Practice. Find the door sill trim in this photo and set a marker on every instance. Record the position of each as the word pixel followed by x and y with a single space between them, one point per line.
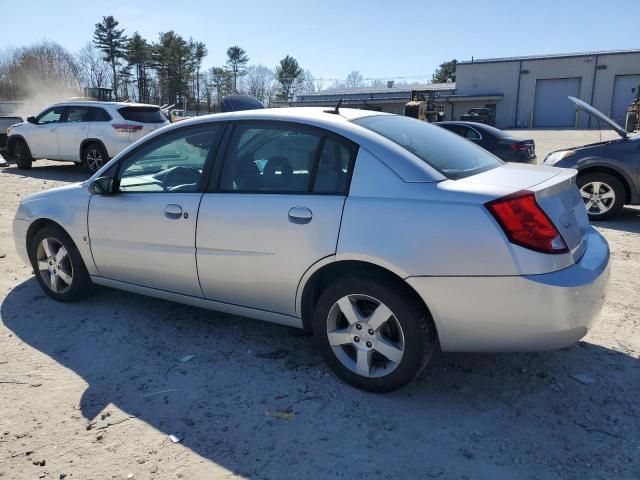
pixel 230 308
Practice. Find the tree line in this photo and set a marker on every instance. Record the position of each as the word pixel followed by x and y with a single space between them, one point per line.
pixel 167 71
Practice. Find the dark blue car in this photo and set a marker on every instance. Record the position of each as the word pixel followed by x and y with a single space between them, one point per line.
pixel 501 144
pixel 608 172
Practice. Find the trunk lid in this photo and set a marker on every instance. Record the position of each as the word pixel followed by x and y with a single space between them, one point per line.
pixel 556 193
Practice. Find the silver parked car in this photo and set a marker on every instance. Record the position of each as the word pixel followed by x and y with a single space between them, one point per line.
pixel 386 237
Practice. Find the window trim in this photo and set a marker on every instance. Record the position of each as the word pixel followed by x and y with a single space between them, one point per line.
pixel 211 159
pixel 224 151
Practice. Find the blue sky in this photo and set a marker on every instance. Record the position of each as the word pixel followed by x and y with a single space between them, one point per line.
pixel 382 39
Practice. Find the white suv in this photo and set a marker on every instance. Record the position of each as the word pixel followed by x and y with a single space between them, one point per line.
pixel 82 132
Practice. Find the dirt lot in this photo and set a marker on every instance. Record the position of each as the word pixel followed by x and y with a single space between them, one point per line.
pixel 93 390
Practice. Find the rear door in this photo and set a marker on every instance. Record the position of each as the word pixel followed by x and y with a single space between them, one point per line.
pixel 144 233
pixel 276 212
pixel 72 132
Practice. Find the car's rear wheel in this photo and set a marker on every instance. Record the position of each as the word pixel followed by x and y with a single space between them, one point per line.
pixel 58 265
pixel 22 156
pixel 602 193
pixel 372 334
pixel 94 156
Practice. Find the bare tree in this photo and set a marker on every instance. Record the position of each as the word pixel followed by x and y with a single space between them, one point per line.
pixel 259 82
pixel 354 80
pixel 95 72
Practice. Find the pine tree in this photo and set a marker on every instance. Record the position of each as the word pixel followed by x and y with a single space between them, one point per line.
pixel 287 74
pixel 112 42
pixel 237 60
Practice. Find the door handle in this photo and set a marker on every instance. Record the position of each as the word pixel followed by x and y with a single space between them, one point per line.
pixel 300 215
pixel 52 129
pixel 173 211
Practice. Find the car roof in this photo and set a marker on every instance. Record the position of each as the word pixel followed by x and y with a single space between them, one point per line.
pixel 300 113
pixel 97 103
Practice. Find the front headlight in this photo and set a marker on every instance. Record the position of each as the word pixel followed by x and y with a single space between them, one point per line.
pixel 555 157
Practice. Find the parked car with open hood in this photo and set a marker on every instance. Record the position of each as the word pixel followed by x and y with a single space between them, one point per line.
pixel 502 144
pixel 387 237
pixel 608 172
pixel 86 132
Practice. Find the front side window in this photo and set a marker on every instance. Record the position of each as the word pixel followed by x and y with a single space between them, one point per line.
pixel 77 114
pixel 444 152
pixel 53 115
pixel 172 163
pixel 270 158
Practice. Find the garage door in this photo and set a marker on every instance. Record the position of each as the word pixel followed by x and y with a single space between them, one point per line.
pixel 552 107
pixel 622 96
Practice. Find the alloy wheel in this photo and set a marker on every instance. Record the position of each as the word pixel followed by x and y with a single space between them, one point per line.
pixel 598 197
pixel 365 335
pixel 54 265
pixel 94 159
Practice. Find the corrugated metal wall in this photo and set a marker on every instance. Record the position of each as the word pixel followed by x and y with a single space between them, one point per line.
pixel 503 77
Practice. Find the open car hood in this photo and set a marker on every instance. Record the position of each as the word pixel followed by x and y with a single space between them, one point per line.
pixel 585 107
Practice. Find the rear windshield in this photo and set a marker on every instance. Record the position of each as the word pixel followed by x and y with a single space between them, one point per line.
pixel 142 114
pixel 445 151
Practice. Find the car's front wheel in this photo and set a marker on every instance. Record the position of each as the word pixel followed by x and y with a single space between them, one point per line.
pixel 58 265
pixel 602 193
pixel 94 157
pixel 372 334
pixel 22 156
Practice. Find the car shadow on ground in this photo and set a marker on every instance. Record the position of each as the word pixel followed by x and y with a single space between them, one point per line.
pixel 450 423
pixel 627 220
pixel 65 172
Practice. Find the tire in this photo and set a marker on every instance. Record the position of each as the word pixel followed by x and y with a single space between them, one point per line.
pixel 603 194
pixel 407 329
pixel 94 156
pixel 75 283
pixel 22 156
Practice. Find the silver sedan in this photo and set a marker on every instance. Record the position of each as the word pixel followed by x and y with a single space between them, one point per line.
pixel 386 237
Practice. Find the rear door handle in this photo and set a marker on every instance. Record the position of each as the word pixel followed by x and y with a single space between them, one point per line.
pixel 300 215
pixel 173 211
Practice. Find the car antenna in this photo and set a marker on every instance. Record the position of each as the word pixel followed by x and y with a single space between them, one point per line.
pixel 336 110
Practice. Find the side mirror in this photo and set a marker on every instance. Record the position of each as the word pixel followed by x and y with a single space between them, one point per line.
pixel 102 186
pixel 31 120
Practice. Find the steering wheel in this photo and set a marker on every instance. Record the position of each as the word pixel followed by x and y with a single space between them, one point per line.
pixel 178 177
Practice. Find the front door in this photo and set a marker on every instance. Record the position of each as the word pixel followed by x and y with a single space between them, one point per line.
pixel 43 136
pixel 72 132
pixel 144 232
pixel 275 213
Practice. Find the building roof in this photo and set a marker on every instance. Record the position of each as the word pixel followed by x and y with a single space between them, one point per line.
pixel 548 56
pixel 401 92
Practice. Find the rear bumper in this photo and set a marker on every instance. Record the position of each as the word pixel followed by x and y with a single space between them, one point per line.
pixel 519 313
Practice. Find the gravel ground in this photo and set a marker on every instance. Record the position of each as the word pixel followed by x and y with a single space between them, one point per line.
pixel 93 390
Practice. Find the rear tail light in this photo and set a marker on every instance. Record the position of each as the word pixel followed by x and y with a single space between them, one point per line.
pixel 125 128
pixel 519 147
pixel 526 224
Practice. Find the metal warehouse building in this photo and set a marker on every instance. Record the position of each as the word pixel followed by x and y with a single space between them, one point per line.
pixel 532 91
pixel 391 99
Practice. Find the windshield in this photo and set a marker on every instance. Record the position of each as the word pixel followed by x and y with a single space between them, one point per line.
pixel 449 154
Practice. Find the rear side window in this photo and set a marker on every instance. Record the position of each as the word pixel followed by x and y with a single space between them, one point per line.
pixel 142 114
pixel 336 161
pixel 270 158
pixel 98 115
pixel 442 150
pixel 77 114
